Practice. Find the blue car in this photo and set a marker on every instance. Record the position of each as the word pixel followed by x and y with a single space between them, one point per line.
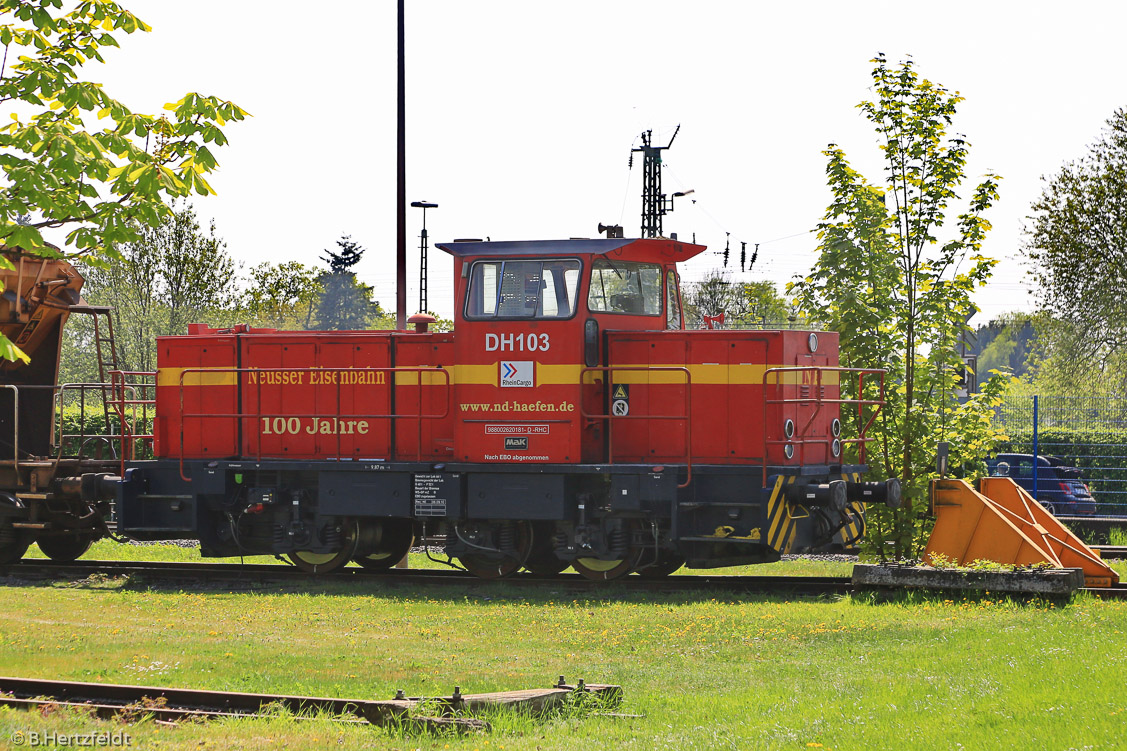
pixel 1059 488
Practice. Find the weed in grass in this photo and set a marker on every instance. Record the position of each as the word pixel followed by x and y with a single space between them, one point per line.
pixel 939 560
pixel 142 709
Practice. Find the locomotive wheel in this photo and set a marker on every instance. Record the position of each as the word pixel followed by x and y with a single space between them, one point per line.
pixel 542 560
pixel 667 563
pixel 324 563
pixel 383 544
pixel 64 548
pixel 606 570
pixel 489 565
pixel 600 570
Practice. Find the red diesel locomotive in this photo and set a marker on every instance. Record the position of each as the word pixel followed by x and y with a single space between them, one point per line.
pixel 569 420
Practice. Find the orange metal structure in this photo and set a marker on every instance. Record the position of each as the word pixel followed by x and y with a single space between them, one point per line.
pixel 1001 522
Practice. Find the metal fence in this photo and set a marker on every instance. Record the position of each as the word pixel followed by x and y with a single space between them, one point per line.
pixel 1089 433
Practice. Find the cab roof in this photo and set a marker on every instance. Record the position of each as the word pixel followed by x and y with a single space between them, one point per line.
pixel 653 250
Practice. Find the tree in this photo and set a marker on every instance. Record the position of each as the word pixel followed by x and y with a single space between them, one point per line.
pixel 898 296
pixel 755 303
pixel 1077 243
pixel 283 295
pixel 763 305
pixel 172 275
pixel 345 302
pixel 1006 343
pixel 102 184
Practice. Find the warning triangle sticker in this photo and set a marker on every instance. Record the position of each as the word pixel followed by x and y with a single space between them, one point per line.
pixel 620 392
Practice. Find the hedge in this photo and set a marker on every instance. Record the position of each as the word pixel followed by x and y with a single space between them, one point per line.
pixel 74 422
pixel 1100 453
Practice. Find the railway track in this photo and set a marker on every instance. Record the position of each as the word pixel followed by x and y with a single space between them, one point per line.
pixel 171 704
pixel 275 573
pixel 248 575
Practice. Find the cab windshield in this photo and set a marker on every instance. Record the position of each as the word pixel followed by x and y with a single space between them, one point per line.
pixel 523 289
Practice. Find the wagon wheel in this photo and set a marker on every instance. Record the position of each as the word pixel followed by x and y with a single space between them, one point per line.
pixel 542 560
pixel 495 565
pixel 13 544
pixel 667 563
pixel 383 544
pixel 324 563
pixel 66 548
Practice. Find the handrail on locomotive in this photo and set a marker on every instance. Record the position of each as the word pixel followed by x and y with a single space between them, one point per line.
pixel 686 415
pixel 819 401
pixel 339 414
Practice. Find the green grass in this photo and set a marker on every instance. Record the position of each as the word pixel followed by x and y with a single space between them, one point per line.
pixel 744 672
pixel 108 550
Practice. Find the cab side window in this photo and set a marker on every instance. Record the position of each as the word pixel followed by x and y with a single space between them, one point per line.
pixel 672 302
pixel 625 287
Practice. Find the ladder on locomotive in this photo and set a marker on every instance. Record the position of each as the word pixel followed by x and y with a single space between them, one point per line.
pixel 105 351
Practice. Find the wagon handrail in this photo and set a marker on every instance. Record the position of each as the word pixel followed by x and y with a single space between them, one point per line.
pixel 59 438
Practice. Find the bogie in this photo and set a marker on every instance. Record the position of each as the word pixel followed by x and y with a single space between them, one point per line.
pixel 491 549
pixel 383 543
pixel 344 537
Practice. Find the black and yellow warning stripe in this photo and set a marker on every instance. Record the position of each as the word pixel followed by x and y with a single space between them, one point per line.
pixel 781 522
pixel 856 527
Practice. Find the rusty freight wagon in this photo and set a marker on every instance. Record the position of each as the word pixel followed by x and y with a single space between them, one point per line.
pixel 569 420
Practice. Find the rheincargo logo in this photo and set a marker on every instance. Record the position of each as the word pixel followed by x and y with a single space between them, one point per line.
pixel 518 373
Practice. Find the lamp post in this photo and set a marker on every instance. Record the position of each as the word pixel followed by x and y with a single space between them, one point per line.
pixel 423 244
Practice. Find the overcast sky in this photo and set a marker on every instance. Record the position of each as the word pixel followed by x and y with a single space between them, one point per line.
pixel 521 115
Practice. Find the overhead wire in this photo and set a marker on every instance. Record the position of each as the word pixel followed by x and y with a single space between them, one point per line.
pixel 727 233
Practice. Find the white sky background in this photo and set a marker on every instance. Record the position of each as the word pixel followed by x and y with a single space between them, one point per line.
pixel 521 116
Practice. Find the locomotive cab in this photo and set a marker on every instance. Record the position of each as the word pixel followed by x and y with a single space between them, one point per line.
pixel 531 318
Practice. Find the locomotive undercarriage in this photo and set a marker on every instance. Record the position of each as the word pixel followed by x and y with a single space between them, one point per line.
pixel 605 522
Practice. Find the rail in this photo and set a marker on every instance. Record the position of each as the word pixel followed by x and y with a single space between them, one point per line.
pixel 818 400
pixel 259 415
pixel 610 369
